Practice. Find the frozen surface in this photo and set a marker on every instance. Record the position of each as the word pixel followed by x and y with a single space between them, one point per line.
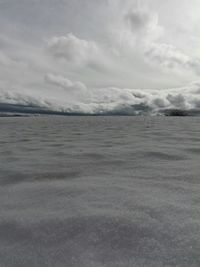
pixel 99 192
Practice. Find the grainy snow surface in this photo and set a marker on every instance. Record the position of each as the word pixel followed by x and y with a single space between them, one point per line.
pixel 100 192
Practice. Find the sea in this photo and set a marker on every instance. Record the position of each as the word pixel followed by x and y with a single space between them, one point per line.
pixel 99 191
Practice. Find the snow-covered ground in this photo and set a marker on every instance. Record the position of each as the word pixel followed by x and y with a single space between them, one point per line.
pixel 99 192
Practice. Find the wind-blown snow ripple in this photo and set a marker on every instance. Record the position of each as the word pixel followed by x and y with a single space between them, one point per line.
pixel 99 191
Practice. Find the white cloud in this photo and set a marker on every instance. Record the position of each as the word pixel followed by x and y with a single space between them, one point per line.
pixel 64 83
pixel 143 24
pixel 76 97
pixel 117 45
pixel 72 48
pixel 170 57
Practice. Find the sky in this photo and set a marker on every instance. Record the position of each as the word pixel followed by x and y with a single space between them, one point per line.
pixel 100 55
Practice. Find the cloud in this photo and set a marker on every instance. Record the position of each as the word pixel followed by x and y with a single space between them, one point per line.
pixel 93 52
pixel 170 57
pixel 143 24
pixel 5 61
pixel 72 48
pixel 78 98
pixel 73 91
pixel 80 55
pixel 64 83
pixel 14 97
pixel 139 32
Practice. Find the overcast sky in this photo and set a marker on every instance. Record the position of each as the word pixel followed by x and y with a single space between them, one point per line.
pixel 89 52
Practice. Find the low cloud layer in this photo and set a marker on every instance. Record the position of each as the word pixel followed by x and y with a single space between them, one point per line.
pixel 77 98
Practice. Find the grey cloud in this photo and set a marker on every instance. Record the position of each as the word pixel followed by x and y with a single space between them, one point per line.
pixel 72 48
pixel 194 64
pixel 177 100
pixel 14 97
pixel 110 98
pixel 77 98
pixel 64 83
pixel 170 57
pixel 111 44
pixel 80 55
pixel 141 21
